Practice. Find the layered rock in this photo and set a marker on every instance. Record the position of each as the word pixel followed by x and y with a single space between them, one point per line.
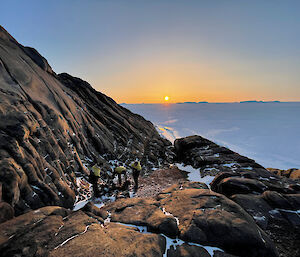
pixel 55 231
pixel 273 201
pixel 139 226
pixel 192 212
pixel 52 126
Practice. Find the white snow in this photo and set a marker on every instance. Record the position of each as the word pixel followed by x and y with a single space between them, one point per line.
pixel 170 214
pixel 58 230
pixel 290 211
pixel 265 132
pixel 264 241
pixel 230 165
pixel 172 242
pixel 72 237
pixel 108 219
pixel 259 218
pixel 80 204
pixel 194 174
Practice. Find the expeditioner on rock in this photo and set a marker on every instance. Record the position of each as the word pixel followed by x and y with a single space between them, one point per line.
pixel 136 169
pixel 94 177
pixel 119 171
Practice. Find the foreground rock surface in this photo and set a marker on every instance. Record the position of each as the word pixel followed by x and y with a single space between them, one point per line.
pixel 188 211
pixel 195 214
pixel 54 231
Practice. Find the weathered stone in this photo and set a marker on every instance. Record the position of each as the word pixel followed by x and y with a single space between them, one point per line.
pixel 50 231
pixel 235 185
pixel 202 216
pixel 186 250
pixel 52 126
pixel 256 206
pixel 6 212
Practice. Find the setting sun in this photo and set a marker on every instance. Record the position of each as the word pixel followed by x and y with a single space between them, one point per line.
pixel 167 98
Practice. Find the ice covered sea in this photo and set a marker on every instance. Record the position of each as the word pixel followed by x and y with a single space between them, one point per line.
pixel 269 133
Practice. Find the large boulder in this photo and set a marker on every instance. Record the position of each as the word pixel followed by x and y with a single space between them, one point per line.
pixel 201 152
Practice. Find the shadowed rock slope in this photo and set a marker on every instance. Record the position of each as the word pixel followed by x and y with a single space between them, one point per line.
pixel 273 201
pixel 52 125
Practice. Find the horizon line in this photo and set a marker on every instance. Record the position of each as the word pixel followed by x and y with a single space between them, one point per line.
pixel 204 102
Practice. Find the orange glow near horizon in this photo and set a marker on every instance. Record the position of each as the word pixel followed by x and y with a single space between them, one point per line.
pixel 152 80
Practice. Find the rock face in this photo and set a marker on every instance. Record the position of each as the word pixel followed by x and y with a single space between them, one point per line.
pixel 271 200
pixel 52 125
pixel 55 231
pixel 195 214
pixel 137 227
pixel 290 173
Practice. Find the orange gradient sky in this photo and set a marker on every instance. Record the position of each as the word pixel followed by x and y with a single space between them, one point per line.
pixel 141 51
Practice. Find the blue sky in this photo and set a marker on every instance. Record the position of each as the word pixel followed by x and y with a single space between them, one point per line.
pixel 140 51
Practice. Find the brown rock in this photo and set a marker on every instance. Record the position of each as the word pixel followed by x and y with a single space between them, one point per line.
pixel 204 217
pixel 49 232
pixel 6 212
pixel 186 250
pixel 53 125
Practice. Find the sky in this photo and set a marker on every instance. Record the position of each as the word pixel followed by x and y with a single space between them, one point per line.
pixel 141 51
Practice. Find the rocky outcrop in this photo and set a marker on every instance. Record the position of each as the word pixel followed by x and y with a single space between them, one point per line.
pixel 192 212
pixel 52 126
pixel 290 173
pixel 55 231
pixel 201 152
pixel 270 197
pixel 139 226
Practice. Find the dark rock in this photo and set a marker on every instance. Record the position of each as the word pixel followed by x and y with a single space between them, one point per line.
pixel 186 250
pixel 6 212
pixel 215 183
pixel 285 237
pixel 235 185
pixel 200 152
pixel 256 206
pixel 277 200
pixel 223 254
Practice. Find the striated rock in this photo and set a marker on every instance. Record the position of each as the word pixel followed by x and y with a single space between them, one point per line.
pixel 200 152
pixel 6 212
pixel 53 231
pixel 53 126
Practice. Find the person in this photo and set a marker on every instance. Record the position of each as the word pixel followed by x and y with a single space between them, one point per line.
pixel 94 177
pixel 119 171
pixel 136 169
